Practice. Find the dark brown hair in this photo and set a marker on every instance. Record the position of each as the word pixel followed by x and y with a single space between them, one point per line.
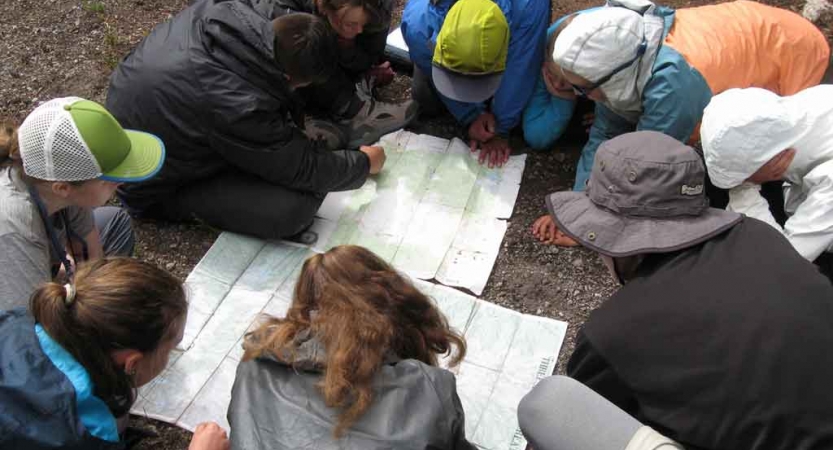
pixel 378 11
pixel 305 47
pixel 364 311
pixel 120 303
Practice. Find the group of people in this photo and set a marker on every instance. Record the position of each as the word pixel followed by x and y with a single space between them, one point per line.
pixel 252 110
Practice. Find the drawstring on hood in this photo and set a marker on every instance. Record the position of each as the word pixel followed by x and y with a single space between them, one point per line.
pixel 595 43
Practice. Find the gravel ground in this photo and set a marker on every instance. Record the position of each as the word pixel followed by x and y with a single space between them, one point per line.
pixel 51 48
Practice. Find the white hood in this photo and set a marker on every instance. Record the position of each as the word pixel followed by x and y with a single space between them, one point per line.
pixel 742 129
pixel 595 43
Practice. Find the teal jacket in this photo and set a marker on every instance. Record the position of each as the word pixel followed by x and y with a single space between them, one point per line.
pixel 673 102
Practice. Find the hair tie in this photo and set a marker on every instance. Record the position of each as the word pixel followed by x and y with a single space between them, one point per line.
pixel 69 290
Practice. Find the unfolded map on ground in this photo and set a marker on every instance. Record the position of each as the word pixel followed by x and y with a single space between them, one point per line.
pixel 434 213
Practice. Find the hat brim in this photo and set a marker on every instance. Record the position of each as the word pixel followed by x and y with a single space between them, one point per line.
pixel 147 153
pixel 465 88
pixel 618 235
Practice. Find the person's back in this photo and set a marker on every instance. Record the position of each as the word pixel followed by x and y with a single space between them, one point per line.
pixel 414 406
pixel 725 345
pixel 747 132
pixel 216 84
pixel 354 365
pixel 174 81
pixel 748 44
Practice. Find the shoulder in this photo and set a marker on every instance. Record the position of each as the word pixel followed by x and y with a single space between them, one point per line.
pixel 38 399
pixel 18 213
pixel 410 372
pixel 671 74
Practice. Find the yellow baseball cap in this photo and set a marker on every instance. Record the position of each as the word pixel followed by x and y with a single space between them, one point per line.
pixel 470 55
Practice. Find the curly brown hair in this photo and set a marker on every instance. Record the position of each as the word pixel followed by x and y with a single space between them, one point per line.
pixel 361 310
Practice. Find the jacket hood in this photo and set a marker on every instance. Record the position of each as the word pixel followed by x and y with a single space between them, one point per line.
pixel 598 42
pixel 307 354
pixel 742 129
pixel 243 41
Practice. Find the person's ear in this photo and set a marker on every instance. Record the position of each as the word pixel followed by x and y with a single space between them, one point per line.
pixel 128 360
pixel 61 188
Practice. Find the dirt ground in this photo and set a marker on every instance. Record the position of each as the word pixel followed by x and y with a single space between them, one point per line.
pixel 52 48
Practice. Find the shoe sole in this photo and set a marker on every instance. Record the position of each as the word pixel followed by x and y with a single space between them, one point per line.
pixel 373 134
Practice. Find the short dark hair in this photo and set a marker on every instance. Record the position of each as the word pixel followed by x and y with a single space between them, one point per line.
pixel 305 47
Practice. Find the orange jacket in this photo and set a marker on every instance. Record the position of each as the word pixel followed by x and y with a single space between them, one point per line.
pixel 747 44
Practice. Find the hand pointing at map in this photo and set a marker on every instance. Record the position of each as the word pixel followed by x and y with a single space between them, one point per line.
pixel 376 155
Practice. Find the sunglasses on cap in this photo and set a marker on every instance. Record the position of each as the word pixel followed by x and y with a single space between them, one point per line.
pixel 584 91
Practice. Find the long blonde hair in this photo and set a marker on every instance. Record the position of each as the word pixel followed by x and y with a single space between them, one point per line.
pixel 361 310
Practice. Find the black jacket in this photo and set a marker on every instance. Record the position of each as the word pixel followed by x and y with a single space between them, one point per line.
pixel 722 346
pixel 277 406
pixel 207 84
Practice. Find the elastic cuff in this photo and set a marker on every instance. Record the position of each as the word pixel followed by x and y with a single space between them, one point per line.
pixel 646 438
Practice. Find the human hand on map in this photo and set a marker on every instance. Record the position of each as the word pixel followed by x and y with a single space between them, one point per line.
pixel 545 230
pixel 496 152
pixel 209 436
pixel 376 155
pixel 483 128
pixel 774 169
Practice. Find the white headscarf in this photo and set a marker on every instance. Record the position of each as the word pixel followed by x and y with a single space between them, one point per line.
pixel 742 129
pixel 595 43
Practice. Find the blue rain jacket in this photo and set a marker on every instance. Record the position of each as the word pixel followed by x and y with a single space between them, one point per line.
pixel 46 396
pixel 422 20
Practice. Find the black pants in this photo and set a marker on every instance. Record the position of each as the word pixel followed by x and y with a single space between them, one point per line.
pixel 335 99
pixel 242 203
pixel 423 91
pixel 828 76
pixel 114 230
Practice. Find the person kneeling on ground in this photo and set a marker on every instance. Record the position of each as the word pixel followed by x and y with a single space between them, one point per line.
pixel 352 366
pixel 362 30
pixel 720 336
pixel 56 171
pixel 548 414
pixel 216 84
pixel 649 67
pixel 752 136
pixel 477 59
pixel 70 370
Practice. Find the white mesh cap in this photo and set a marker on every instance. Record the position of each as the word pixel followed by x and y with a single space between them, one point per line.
pixel 51 146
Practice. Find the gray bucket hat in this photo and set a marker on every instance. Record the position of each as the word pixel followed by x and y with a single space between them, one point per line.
pixel 645 195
